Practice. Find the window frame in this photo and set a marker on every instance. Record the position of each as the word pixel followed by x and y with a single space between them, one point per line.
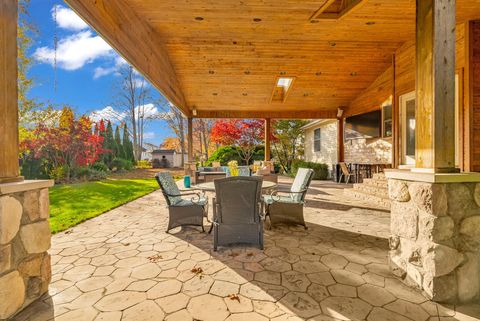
pixel 317 140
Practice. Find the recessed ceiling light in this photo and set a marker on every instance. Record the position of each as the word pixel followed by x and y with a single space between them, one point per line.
pixel 283 73
pixel 257 19
pixel 314 21
pixel 306 94
pixel 211 72
pixel 244 94
pixel 370 23
pixel 215 94
pixel 353 73
pixel 199 18
pixel 318 73
pixel 247 72
pixel 234 42
pixel 332 43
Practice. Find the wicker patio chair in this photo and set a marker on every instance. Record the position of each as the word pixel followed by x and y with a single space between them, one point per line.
pixel 182 211
pixel 288 209
pixel 238 211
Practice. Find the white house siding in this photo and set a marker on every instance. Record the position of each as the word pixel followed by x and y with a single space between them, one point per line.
pixel 328 144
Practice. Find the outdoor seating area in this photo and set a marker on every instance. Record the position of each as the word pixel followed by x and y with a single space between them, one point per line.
pixel 124 266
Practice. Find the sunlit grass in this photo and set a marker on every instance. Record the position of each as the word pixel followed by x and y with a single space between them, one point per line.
pixel 74 203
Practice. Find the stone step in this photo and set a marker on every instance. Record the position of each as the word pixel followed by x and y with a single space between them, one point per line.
pixel 379 176
pixel 375 182
pixel 375 200
pixel 372 190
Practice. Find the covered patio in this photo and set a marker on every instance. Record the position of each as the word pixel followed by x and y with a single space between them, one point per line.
pixel 268 60
pixel 123 266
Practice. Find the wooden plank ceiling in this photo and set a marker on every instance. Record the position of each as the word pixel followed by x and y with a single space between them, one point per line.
pixel 223 57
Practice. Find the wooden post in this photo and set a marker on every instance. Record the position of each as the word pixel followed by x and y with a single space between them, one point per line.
pixel 267 139
pixel 190 139
pixel 340 140
pixel 9 169
pixel 435 82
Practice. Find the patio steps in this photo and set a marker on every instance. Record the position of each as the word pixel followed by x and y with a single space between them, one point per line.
pixel 373 190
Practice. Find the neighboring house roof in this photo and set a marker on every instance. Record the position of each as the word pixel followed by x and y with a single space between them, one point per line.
pixel 317 123
pixel 163 151
pixel 149 147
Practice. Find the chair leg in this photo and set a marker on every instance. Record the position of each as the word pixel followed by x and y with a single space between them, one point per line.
pixel 215 239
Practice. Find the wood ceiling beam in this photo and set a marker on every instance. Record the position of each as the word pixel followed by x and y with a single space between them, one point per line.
pixel 135 41
pixel 249 114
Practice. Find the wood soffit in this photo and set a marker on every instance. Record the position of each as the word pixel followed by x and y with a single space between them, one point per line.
pixel 223 57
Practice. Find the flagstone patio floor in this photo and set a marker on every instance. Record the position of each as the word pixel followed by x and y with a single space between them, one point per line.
pixel 122 265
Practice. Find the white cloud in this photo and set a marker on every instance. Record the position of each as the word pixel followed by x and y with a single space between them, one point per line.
pixel 101 71
pixel 75 51
pixel 150 111
pixel 107 113
pixel 148 135
pixel 68 19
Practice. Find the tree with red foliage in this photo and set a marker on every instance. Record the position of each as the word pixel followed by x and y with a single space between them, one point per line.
pixel 71 143
pixel 243 133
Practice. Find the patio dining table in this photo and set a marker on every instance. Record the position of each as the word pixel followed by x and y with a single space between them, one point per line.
pixel 210 186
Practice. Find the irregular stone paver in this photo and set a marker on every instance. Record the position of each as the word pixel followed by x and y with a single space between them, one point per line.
pixel 122 266
pixel 207 307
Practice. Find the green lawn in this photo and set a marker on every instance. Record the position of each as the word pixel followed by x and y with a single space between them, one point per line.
pixel 74 203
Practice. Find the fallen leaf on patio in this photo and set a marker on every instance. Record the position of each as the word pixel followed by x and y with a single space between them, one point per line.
pixel 234 297
pixel 69 232
pixel 198 271
pixel 154 258
pixel 126 244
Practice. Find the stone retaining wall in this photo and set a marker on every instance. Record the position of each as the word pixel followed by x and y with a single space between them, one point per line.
pixel 435 241
pixel 25 271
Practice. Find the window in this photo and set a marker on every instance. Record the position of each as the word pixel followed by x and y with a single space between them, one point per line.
pixel 387 127
pixel 282 88
pixel 316 140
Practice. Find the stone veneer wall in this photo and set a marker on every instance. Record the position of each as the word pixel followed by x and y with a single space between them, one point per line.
pixel 25 271
pixel 435 241
pixel 371 150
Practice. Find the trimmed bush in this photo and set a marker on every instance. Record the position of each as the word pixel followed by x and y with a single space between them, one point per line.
pixel 143 164
pixel 120 163
pixel 320 171
pixel 100 166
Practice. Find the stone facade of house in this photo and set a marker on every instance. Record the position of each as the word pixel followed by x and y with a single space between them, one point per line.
pixel 369 150
pixel 435 242
pixel 328 144
pixel 25 270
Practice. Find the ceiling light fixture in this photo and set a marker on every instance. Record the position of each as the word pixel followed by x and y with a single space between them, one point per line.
pixel 194 111
pixel 211 72
pixel 199 18
pixel 370 23
pixel 318 73
pixel 247 72
pixel 257 19
pixel 215 94
pixel 283 73
pixel 244 94
pixel 332 43
pixel 353 73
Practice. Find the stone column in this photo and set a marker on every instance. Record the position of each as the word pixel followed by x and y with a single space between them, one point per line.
pixel 24 240
pixel 435 234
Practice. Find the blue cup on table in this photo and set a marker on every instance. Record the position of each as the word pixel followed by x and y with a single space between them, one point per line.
pixel 186 181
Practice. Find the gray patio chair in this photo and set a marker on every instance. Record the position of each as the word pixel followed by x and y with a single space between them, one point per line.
pixel 238 211
pixel 182 211
pixel 288 209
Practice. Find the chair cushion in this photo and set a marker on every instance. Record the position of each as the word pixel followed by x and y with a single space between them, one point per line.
pixel 269 199
pixel 169 186
pixel 300 183
pixel 196 201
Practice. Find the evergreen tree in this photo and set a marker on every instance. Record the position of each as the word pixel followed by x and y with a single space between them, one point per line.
pixel 109 144
pixel 127 145
pixel 118 144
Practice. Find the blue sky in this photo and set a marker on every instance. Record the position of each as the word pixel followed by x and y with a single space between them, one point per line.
pixel 87 66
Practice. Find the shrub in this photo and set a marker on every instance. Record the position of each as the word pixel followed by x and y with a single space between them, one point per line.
pixel 33 168
pixel 96 175
pixel 223 155
pixel 59 173
pixel 320 171
pixel 143 164
pixel 120 163
pixel 100 166
pixel 85 173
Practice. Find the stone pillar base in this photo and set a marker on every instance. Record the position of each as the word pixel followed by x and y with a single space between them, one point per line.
pixel 25 271
pixel 435 235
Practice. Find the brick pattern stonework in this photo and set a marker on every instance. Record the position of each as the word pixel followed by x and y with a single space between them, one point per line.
pixel 25 271
pixel 435 241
